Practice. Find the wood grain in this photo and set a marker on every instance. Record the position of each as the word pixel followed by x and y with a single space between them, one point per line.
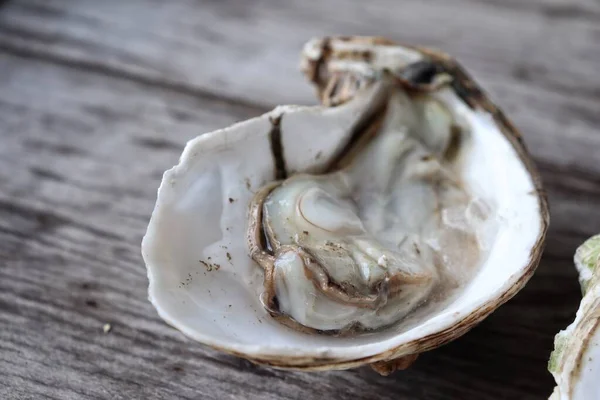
pixel 97 99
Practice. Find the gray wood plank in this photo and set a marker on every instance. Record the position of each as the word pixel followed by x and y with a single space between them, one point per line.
pixel 539 60
pixel 95 103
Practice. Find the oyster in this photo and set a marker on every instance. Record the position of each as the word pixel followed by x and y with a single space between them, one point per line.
pixel 384 223
pixel 575 361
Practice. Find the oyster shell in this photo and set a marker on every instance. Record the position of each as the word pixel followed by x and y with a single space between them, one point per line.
pixel 575 361
pixel 406 206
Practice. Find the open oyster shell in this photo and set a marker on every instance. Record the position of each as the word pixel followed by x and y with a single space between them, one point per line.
pixel 575 361
pixel 384 223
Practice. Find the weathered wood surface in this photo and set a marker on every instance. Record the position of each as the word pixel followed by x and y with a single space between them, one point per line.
pixel 97 98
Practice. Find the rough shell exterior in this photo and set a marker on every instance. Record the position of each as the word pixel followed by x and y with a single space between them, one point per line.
pixel 575 361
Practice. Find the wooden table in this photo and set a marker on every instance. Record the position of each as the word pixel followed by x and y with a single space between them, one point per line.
pixel 97 99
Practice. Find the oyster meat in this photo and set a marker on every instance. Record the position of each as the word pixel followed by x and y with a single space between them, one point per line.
pixel 360 247
pixel 384 223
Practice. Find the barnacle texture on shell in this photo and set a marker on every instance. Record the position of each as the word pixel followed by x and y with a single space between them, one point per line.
pixel 381 224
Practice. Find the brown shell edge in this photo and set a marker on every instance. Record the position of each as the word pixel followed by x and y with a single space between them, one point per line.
pixel 402 356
